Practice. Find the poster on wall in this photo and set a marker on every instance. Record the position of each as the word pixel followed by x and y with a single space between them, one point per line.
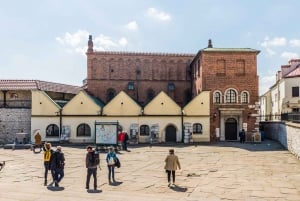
pixel 154 133
pixel 106 133
pixel 134 134
pixel 65 133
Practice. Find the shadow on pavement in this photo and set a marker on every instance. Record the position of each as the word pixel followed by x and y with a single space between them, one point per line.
pixel 178 188
pixel 94 191
pixel 117 183
pixel 52 188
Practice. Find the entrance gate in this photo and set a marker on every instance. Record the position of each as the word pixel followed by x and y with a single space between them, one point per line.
pixel 231 129
pixel 170 134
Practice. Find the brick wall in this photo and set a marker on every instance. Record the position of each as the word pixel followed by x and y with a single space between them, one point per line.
pixel 148 71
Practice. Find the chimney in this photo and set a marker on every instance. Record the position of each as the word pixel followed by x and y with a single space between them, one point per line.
pixel 90 44
pixel 209 44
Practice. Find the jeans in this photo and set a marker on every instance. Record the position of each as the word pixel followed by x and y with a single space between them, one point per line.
pixel 59 174
pixel 111 172
pixel 90 172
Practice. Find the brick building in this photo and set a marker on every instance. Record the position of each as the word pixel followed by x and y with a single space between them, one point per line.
pixel 230 74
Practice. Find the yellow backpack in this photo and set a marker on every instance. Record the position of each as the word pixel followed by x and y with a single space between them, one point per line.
pixel 47 155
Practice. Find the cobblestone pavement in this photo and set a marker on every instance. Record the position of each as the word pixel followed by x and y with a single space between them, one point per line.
pixel 219 171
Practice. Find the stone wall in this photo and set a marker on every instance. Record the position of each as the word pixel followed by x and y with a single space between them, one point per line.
pixel 288 134
pixel 13 121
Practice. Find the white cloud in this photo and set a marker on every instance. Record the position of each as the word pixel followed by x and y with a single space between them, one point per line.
pixel 76 42
pixel 123 42
pixel 277 41
pixel 289 55
pixel 270 52
pixel 132 25
pixel 265 82
pixel 295 42
pixel 160 15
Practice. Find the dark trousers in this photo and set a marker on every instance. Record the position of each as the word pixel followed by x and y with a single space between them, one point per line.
pixel 124 145
pixel 47 168
pixel 90 172
pixel 169 175
pixel 111 172
pixel 59 174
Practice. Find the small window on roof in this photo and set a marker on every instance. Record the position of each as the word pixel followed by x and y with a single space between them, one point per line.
pixel 171 86
pixel 130 85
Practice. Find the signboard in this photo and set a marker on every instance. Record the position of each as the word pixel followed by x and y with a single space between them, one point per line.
pixel 134 132
pixel 65 133
pixel 106 133
pixel 154 133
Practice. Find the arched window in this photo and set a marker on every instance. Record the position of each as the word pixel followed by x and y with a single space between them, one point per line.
pixel 217 97
pixel 144 130
pixel 52 130
pixel 230 96
pixel 197 128
pixel 110 94
pixel 150 94
pixel 83 130
pixel 244 97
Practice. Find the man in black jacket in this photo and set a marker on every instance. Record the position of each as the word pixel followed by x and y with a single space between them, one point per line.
pixel 91 161
pixel 58 164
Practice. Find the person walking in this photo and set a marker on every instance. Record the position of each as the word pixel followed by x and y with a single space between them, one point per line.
pixel 172 162
pixel 242 136
pixel 58 164
pixel 91 161
pixel 125 139
pixel 111 158
pixel 48 152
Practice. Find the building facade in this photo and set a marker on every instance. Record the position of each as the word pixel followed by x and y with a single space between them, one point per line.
pixel 230 74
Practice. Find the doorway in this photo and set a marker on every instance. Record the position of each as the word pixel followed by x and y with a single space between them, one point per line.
pixel 171 134
pixel 231 129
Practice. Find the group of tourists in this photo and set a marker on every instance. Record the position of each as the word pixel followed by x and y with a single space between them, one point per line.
pixel 54 161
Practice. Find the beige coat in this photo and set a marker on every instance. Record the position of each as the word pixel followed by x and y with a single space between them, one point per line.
pixel 172 162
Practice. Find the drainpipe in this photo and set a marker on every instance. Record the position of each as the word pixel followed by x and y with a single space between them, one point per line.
pixel 182 127
pixel 4 99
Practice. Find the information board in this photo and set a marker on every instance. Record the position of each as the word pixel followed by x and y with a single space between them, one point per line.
pixel 106 133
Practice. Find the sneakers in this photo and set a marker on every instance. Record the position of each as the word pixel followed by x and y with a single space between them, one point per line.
pixel 45 183
pixel 169 184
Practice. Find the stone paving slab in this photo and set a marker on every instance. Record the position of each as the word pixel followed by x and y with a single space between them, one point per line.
pixel 219 171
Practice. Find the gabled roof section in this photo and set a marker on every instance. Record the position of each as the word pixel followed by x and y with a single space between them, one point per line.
pixel 162 104
pixel 38 84
pixel 294 73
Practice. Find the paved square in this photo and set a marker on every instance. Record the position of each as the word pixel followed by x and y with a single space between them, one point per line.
pixel 219 171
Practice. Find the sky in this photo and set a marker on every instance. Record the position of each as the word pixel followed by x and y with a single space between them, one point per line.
pixel 47 40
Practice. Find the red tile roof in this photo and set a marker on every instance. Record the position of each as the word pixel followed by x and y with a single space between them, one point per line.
pixel 295 72
pixel 40 85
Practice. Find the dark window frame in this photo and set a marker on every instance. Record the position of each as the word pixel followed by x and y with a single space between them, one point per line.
pixel 144 130
pixel 52 130
pixel 295 91
pixel 83 132
pixel 197 128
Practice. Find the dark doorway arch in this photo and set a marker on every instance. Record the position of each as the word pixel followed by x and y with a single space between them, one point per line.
pixel 231 129
pixel 171 134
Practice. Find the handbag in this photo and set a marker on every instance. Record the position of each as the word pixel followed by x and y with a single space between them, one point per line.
pixel 117 163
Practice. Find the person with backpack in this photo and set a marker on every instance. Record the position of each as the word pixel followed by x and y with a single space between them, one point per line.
pixel 57 165
pixel 111 159
pixel 125 139
pixel 172 162
pixel 48 152
pixel 92 160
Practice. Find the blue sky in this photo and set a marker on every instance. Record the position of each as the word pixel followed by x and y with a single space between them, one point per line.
pixel 47 40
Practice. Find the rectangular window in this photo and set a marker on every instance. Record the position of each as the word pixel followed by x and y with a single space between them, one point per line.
pixel 130 85
pixel 295 91
pixel 171 86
